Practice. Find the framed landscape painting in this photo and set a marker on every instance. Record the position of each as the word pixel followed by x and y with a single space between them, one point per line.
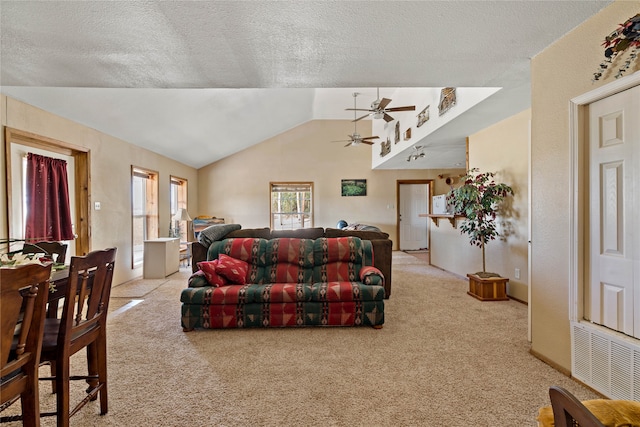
pixel 354 187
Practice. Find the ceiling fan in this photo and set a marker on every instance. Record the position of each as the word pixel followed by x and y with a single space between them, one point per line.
pixel 355 138
pixel 379 109
pixel 417 153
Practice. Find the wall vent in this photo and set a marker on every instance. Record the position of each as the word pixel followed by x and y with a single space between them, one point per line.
pixel 606 361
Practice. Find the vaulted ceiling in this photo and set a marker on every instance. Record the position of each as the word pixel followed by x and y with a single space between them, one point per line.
pixel 199 80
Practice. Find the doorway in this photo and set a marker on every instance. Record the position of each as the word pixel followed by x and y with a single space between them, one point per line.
pixel 80 155
pixel 604 295
pixel 614 185
pixel 413 207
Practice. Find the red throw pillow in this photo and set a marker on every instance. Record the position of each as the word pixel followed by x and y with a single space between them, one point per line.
pixel 209 270
pixel 234 270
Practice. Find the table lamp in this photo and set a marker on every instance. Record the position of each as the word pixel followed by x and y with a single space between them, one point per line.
pixel 181 215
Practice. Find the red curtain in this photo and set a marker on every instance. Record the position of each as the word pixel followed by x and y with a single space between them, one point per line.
pixel 48 211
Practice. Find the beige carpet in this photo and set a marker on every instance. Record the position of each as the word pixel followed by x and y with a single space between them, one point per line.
pixel 136 288
pixel 443 358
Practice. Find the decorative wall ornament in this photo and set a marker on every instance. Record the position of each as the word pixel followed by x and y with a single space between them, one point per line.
pixel 397 132
pixel 447 99
pixel 626 36
pixel 407 134
pixel 423 117
pixel 353 187
pixel 385 148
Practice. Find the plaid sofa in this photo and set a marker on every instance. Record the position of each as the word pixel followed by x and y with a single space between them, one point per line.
pixel 382 245
pixel 290 282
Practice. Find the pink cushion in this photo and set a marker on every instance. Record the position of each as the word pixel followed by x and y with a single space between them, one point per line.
pixel 370 275
pixel 209 270
pixel 234 270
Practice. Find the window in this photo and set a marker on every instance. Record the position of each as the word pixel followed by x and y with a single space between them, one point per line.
pixel 144 205
pixel 18 143
pixel 291 205
pixel 178 194
pixel 178 200
pixel 48 213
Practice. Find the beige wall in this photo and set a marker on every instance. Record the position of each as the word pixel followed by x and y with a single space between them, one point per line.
pixel 502 148
pixel 237 187
pixel 111 161
pixel 562 71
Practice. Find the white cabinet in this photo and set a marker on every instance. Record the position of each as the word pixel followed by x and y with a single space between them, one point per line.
pixel 161 257
pixel 439 205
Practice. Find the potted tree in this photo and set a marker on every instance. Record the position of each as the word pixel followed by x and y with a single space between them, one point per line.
pixel 478 200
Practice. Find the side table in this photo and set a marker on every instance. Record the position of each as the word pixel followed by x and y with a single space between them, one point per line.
pixel 185 252
pixel 161 257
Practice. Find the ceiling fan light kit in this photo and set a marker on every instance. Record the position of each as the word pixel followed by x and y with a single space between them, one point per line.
pixel 419 154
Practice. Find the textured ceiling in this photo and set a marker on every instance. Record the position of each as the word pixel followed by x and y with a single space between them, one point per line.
pixel 178 78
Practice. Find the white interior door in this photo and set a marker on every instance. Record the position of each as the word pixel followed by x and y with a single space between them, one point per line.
pixel 614 212
pixel 413 227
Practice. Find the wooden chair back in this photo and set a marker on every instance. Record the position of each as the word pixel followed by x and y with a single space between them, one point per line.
pixel 23 297
pixel 90 279
pixel 568 411
pixel 48 248
pixel 82 324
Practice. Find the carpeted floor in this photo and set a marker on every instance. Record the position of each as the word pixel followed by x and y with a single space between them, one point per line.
pixel 137 288
pixel 421 255
pixel 443 358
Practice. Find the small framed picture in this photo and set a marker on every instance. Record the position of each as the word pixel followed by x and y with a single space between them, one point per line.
pixel 407 134
pixel 423 117
pixel 385 147
pixel 447 99
pixel 354 187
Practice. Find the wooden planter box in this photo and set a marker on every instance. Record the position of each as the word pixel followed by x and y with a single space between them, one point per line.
pixel 488 289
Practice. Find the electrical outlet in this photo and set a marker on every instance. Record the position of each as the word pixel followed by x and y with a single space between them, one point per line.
pixel 97 206
pixel 517 273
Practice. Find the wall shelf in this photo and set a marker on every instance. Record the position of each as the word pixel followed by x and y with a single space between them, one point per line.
pixel 451 217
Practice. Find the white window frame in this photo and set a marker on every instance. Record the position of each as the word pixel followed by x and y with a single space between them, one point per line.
pixel 283 218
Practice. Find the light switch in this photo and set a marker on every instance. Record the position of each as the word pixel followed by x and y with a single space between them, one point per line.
pixel 97 206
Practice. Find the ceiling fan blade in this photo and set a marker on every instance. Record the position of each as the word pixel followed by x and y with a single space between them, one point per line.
pixel 383 103
pixel 367 142
pixel 351 143
pixel 370 137
pixel 357 109
pixel 344 140
pixel 407 108
pixel 360 118
pixel 387 118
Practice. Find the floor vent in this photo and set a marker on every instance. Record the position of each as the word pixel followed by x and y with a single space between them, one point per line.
pixel 605 361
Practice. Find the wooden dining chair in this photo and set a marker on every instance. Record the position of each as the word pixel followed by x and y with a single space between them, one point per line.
pixel 568 411
pixel 23 296
pixel 82 325
pixel 48 248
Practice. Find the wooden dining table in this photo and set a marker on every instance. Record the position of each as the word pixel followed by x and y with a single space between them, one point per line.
pixel 58 283
pixel 57 290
